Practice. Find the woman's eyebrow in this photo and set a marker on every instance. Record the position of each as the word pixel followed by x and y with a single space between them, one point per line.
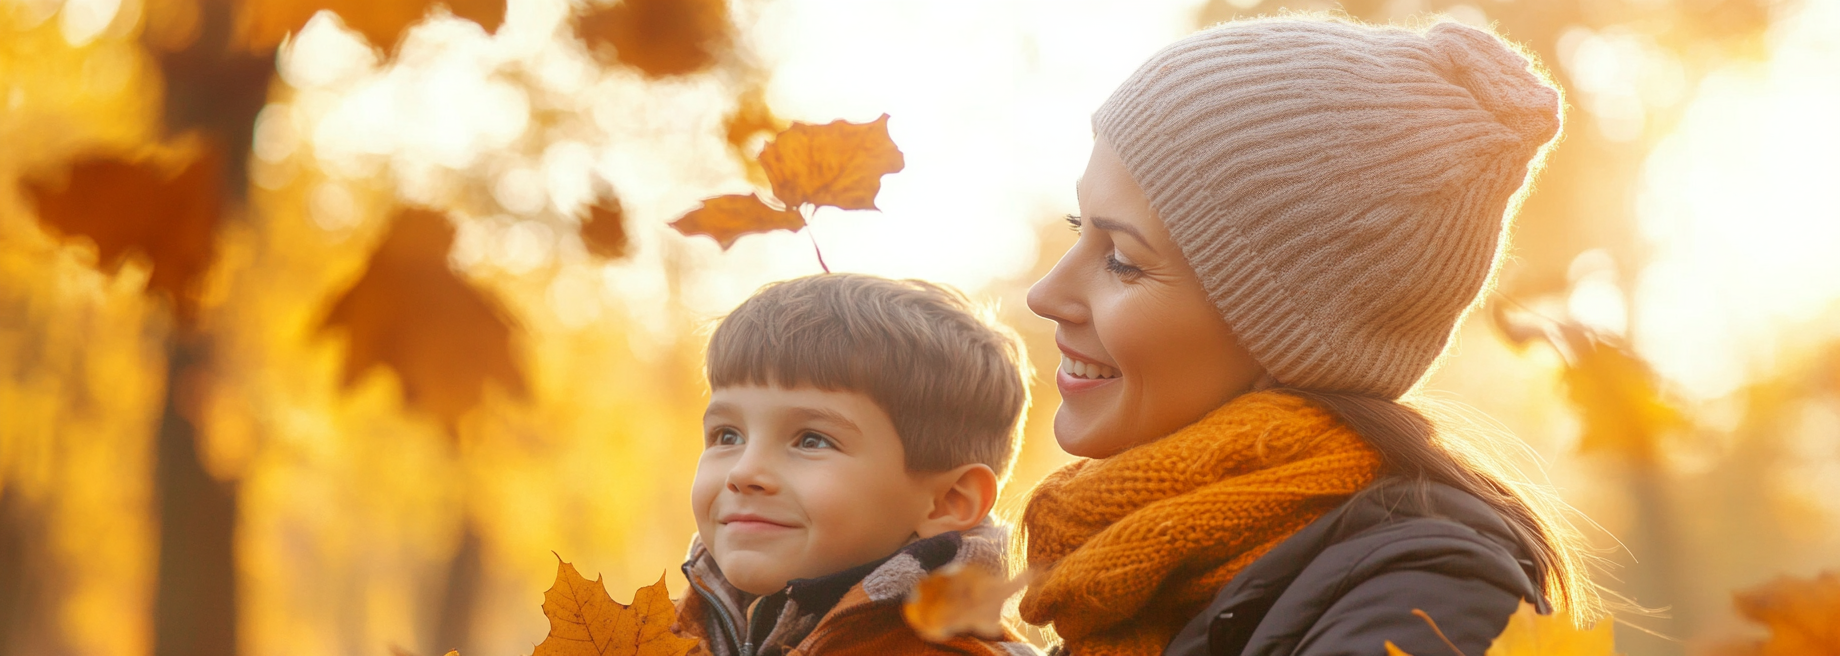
pixel 1109 225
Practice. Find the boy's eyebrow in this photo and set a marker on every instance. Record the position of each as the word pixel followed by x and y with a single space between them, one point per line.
pixel 718 408
pixel 1109 225
pixel 824 414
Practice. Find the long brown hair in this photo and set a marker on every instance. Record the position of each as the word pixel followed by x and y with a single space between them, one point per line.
pixel 1412 447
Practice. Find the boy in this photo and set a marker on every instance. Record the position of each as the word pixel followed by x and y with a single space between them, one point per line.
pixel 857 432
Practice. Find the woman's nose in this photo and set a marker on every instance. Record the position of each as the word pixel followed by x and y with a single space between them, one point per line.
pixel 753 473
pixel 1056 297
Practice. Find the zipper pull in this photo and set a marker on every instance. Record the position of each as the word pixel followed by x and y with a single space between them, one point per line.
pixel 747 649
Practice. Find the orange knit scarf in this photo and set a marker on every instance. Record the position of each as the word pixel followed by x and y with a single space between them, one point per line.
pixel 1134 545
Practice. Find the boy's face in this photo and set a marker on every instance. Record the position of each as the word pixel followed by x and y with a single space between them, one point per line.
pixel 797 483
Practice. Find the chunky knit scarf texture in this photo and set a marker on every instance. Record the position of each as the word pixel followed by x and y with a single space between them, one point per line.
pixel 1134 545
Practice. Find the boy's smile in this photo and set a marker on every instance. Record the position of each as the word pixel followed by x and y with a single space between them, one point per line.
pixel 801 482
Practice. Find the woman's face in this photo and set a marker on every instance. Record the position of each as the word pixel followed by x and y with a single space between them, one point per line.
pixel 1143 351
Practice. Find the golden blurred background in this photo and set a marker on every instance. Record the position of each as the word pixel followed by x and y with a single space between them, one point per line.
pixel 327 326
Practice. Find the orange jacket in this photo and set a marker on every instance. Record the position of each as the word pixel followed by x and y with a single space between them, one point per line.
pixel 856 611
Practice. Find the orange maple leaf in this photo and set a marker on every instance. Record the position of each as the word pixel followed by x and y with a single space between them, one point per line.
pixel 163 206
pixel 604 231
pixel 1803 614
pixel 727 218
pixel 262 24
pixel 957 600
pixel 585 621
pixel 659 38
pixel 840 164
pixel 412 314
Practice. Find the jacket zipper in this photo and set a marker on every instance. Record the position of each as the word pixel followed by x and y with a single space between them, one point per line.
pixel 747 647
pixel 721 610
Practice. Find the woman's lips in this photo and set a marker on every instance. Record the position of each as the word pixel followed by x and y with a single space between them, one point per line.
pixel 1080 373
pixel 1071 384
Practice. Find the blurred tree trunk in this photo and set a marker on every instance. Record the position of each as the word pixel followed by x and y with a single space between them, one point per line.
pixel 465 573
pixel 195 602
pixel 217 89
pixel 26 629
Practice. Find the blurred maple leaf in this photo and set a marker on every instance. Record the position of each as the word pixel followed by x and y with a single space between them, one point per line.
pixel 751 118
pixel 659 38
pixel 604 231
pixel 1529 633
pixel 1620 398
pixel 840 164
pixel 1616 392
pixel 411 313
pixel 585 621
pixel 262 24
pixel 957 600
pixel 162 205
pixel 1803 615
pixel 727 218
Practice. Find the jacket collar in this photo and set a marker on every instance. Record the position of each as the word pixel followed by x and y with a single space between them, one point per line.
pixel 736 623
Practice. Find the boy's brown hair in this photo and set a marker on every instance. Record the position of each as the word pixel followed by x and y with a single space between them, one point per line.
pixel 952 381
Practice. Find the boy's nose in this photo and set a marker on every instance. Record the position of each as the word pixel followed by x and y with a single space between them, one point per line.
pixel 752 475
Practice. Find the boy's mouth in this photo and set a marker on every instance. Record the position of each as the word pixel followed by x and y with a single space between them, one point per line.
pixel 750 521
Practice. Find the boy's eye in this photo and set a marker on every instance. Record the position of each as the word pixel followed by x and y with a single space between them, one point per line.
pixel 815 441
pixel 725 436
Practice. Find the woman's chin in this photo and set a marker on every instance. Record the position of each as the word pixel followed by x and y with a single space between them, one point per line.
pixel 1081 435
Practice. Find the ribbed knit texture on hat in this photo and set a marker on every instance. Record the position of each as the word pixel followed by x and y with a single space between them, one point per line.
pixel 1342 190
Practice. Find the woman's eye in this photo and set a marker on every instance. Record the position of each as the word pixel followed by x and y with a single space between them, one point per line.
pixel 725 437
pixel 1113 265
pixel 815 441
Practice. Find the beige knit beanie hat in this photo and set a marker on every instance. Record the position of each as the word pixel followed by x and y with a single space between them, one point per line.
pixel 1342 190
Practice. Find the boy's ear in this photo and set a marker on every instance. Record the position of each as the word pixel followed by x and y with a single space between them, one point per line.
pixel 962 498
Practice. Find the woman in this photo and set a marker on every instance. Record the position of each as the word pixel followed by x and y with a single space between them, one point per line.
pixel 1281 224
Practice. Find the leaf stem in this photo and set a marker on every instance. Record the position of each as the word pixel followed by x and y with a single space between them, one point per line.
pixel 1440 632
pixel 814 241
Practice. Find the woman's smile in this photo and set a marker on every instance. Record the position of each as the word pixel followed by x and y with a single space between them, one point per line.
pixel 1079 373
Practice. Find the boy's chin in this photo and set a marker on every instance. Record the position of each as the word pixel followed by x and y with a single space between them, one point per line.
pixel 754 573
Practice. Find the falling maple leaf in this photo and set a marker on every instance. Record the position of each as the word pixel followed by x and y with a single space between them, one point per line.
pixel 840 164
pixel 411 313
pixel 1803 615
pixel 727 218
pixel 262 24
pixel 604 231
pixel 958 600
pixel 162 205
pixel 585 621
pixel 1529 633
pixel 659 38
